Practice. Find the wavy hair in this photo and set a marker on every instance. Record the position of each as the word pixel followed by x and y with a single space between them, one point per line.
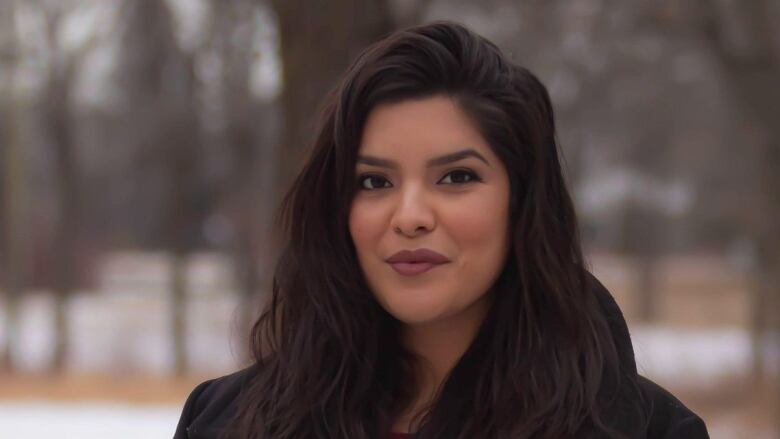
pixel 329 360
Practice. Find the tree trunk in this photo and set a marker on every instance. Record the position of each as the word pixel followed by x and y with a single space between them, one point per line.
pixel 159 81
pixel 12 195
pixel 58 124
pixel 640 239
pixel 318 41
pixel 740 35
pixel 181 223
pixel 647 286
pixel 15 256
pixel 178 279
pixel 234 45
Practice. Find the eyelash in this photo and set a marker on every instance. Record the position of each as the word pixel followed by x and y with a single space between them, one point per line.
pixel 473 177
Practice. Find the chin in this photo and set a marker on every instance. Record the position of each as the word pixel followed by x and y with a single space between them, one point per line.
pixel 414 312
pixel 415 320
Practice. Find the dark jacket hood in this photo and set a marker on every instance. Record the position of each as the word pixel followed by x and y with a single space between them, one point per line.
pixel 617 324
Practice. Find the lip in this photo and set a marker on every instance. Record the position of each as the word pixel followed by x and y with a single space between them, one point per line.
pixel 419 255
pixel 412 268
pixel 413 262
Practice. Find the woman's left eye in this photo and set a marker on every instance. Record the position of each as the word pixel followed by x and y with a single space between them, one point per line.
pixel 460 176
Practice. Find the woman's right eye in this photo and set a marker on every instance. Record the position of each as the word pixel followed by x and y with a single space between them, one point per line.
pixel 371 182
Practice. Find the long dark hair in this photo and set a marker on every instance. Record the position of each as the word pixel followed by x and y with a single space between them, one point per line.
pixel 328 356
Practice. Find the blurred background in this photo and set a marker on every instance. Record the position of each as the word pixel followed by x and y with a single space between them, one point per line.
pixel 144 145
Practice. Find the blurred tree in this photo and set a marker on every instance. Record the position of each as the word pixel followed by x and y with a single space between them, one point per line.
pixel 158 83
pixel 609 95
pixel 12 255
pixel 232 32
pixel 742 35
pixel 647 153
pixel 58 128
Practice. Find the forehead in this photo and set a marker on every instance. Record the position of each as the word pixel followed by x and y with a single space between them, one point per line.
pixel 420 129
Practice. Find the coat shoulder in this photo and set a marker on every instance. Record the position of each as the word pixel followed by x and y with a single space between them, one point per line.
pixel 669 418
pixel 211 404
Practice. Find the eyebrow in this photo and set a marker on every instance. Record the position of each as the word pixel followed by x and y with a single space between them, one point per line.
pixel 436 161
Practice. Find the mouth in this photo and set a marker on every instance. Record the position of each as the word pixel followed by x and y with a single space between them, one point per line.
pixel 412 268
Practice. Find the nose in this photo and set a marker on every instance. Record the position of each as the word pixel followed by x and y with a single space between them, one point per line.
pixel 413 215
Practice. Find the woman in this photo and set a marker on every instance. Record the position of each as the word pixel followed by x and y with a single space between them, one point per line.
pixel 433 284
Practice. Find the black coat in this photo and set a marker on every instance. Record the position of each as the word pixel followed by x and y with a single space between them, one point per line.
pixel 211 404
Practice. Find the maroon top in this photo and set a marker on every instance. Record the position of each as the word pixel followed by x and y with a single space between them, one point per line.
pixel 394 435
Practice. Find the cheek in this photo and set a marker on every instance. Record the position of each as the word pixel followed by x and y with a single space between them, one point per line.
pixel 364 226
pixel 480 223
pixel 480 232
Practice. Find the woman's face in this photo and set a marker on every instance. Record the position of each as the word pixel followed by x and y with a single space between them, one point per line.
pixel 428 180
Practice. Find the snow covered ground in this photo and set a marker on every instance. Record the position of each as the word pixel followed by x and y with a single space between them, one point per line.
pixel 697 358
pixel 43 419
pixel 123 327
pixel 126 333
